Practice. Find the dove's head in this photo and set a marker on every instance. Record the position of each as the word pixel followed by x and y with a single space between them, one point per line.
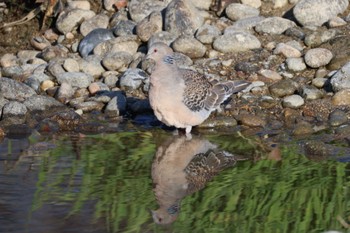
pixel 159 51
pixel 165 216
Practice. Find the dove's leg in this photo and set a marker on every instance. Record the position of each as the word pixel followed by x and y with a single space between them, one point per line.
pixel 188 132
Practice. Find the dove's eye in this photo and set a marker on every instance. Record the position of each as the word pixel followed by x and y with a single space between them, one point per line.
pixel 155 50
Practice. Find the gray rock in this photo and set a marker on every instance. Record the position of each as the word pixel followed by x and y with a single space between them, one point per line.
pixel 124 28
pixel 202 4
pixel 341 79
pixel 35 80
pixel 97 21
pixel 51 52
pixel 97 87
pixel 116 61
pixel 253 3
pixel 71 65
pixel 336 22
pixel 25 55
pixel 67 21
pixel 295 32
pixel 128 44
pixel 149 26
pixel 317 12
pixel 283 88
pixel 64 93
pixel 110 78
pixel 41 103
pixel 274 25
pixel 207 33
pixel 13 90
pixel 12 71
pixel 55 68
pixel 14 108
pixel 293 101
pixel 319 82
pixel 90 106
pixel 91 65
pixel 84 5
pixel 140 9
pixel 337 118
pixel 270 74
pixel 236 42
pixel 139 106
pixel 245 24
pixel 75 79
pixel 3 101
pixel 182 17
pixel 319 37
pixel 295 64
pixel 189 46
pixel 116 106
pixel 8 60
pixel 342 97
pixel 318 57
pixel 286 50
pixel 133 78
pixel 237 11
pixel 279 3
pixel 92 39
pixel 165 37
pixel 311 93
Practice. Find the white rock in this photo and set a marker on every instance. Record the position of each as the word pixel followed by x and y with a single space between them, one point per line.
pixel 296 64
pixel 253 3
pixel 318 57
pixel 236 11
pixel 293 101
pixel 286 50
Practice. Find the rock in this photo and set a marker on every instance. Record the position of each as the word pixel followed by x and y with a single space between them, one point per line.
pixel 149 26
pixel 293 101
pixel 116 61
pixel 14 108
pixel 40 42
pixel 341 79
pixel 207 33
pixel 8 60
pixel 71 65
pixel 91 40
pixel 75 79
pixel 165 37
pixel 64 93
pixel 274 25
pixel 26 55
pixel 41 103
pixel 116 106
pixel 140 9
pixel 342 97
pixel 245 24
pixel 319 82
pixel 317 12
pixel 320 109
pixel 91 65
pixel 96 22
pixel 124 28
pixel 182 18
pixel 253 3
pixel 303 128
pixel 47 84
pixel 55 68
pixel 283 88
pixel 286 50
pixel 12 71
pixel 84 5
pixel 67 21
pixel 251 120
pixel 57 51
pixel 337 118
pixel 279 3
pixel 189 46
pixel 318 57
pixel 35 80
pixel 236 11
pixel 295 64
pixel 247 67
pixel 96 87
pixel 218 122
pixel 13 90
pixel 133 78
pixel 89 106
pixel 110 78
pixel 128 44
pixel 340 47
pixel 139 106
pixel 311 93
pixel 270 74
pixel 237 42
pixel 319 37
pixel 295 32
pixel 336 22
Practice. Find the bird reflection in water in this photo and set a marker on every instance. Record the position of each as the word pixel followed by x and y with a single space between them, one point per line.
pixel 182 167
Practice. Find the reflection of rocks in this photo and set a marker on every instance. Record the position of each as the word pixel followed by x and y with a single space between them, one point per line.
pixel 182 167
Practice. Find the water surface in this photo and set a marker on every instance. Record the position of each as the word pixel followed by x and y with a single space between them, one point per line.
pixel 114 182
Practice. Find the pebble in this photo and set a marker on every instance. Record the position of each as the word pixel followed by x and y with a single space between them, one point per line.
pixel 337 118
pixel 341 79
pixel 318 57
pixel 218 122
pixel 14 108
pixel 91 65
pixel 303 128
pixel 237 42
pixel 149 26
pixel 207 33
pixel 336 22
pixel 287 50
pixel 92 39
pixel 274 25
pixel 95 22
pixel 89 106
pixel 342 97
pixel 319 82
pixel 139 10
pixel 317 12
pixel 71 19
pixel 46 85
pixel 293 101
pixel 116 60
pixel 84 5
pixel 116 106
pixel 319 37
pixel 189 46
pixel 270 74
pixel 283 88
pixel 237 11
pixel 311 93
pixel 251 120
pixel 124 28
pixel 96 87
pixel 64 93
pixel 295 64
pixel 71 65
pixel 8 60
pixel 75 79
pixel 133 78
pixel 253 3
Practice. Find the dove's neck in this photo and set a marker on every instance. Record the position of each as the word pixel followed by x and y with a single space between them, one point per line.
pixel 165 70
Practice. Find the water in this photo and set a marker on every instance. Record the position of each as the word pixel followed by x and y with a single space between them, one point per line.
pixel 127 181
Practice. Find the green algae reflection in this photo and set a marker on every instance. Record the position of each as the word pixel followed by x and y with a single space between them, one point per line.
pixel 113 171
